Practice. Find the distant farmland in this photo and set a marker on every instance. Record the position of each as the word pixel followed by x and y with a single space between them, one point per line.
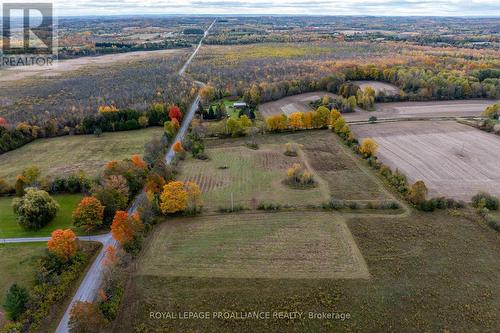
pixel 454 160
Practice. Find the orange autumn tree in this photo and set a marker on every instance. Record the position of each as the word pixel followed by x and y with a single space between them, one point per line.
pixel 177 147
pixel 89 214
pixel 295 120
pixel 124 227
pixel 111 256
pixel 63 244
pixel 138 162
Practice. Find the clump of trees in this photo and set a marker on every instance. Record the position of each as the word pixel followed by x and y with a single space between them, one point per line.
pixel 485 200
pixel 35 209
pixel 299 176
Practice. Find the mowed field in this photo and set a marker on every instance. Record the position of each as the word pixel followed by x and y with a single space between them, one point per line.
pixel 273 245
pixel 387 88
pixel 459 108
pixel 291 104
pixel 65 155
pixel 453 160
pixel 236 173
pixel 421 279
pixel 9 227
pixel 18 263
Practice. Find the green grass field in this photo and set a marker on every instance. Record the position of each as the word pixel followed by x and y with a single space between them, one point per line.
pixel 10 229
pixel 65 155
pixel 248 177
pixel 257 175
pixel 18 262
pixel 430 272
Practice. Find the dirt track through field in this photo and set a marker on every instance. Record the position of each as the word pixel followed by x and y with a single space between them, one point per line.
pixel 288 105
pixel 453 160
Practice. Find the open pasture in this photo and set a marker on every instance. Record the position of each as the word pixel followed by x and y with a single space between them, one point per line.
pixel 273 245
pixel 288 105
pixel 453 160
pixel 65 155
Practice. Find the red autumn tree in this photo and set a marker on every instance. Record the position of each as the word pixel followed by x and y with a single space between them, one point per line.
pixel 3 122
pixel 174 112
pixel 89 214
pixel 124 227
pixel 63 244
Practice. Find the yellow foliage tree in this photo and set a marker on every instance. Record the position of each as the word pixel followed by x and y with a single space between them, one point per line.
pixel 368 147
pixel 174 198
pixel 276 123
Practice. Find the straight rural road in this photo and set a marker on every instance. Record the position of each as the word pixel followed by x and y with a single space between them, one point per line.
pixel 90 285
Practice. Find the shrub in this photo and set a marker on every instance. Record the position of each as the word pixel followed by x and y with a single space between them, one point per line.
pixel 268 206
pixel 368 147
pixel 485 200
pixel 292 149
pixel 235 208
pixel 85 317
pixel 418 193
pixel 35 209
pixel 15 301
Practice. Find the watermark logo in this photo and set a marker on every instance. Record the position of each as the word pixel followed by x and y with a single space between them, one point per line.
pixel 28 34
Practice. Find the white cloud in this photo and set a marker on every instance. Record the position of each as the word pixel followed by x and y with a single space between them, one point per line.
pixel 292 7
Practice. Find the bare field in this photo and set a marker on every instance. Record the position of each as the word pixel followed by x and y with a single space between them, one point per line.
pixel 453 160
pixel 278 245
pixel 388 89
pixel 63 66
pixel 288 105
pixel 457 108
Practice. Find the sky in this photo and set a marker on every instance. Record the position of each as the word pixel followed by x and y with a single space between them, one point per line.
pixel 287 7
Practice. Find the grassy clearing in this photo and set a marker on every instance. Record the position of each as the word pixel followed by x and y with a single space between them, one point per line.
pixel 249 176
pixel 429 273
pixel 272 245
pixel 18 262
pixel 65 155
pixel 10 229
pixel 339 173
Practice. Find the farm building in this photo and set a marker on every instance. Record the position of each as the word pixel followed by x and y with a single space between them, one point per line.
pixel 240 105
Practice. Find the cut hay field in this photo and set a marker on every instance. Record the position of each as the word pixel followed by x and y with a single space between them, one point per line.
pixel 288 105
pixel 422 280
pixel 258 174
pixel 65 155
pixel 432 109
pixel 453 160
pixel 278 245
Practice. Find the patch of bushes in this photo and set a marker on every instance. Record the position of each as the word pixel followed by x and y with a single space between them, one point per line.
pixel 269 206
pixel 235 208
pixel 485 200
pixel 299 177
pixel 440 203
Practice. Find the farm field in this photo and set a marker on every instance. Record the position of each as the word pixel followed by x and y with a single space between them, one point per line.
pixel 65 155
pixel 258 174
pixel 412 263
pixel 278 245
pixel 458 108
pixel 453 160
pixel 10 229
pixel 388 89
pixel 288 105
